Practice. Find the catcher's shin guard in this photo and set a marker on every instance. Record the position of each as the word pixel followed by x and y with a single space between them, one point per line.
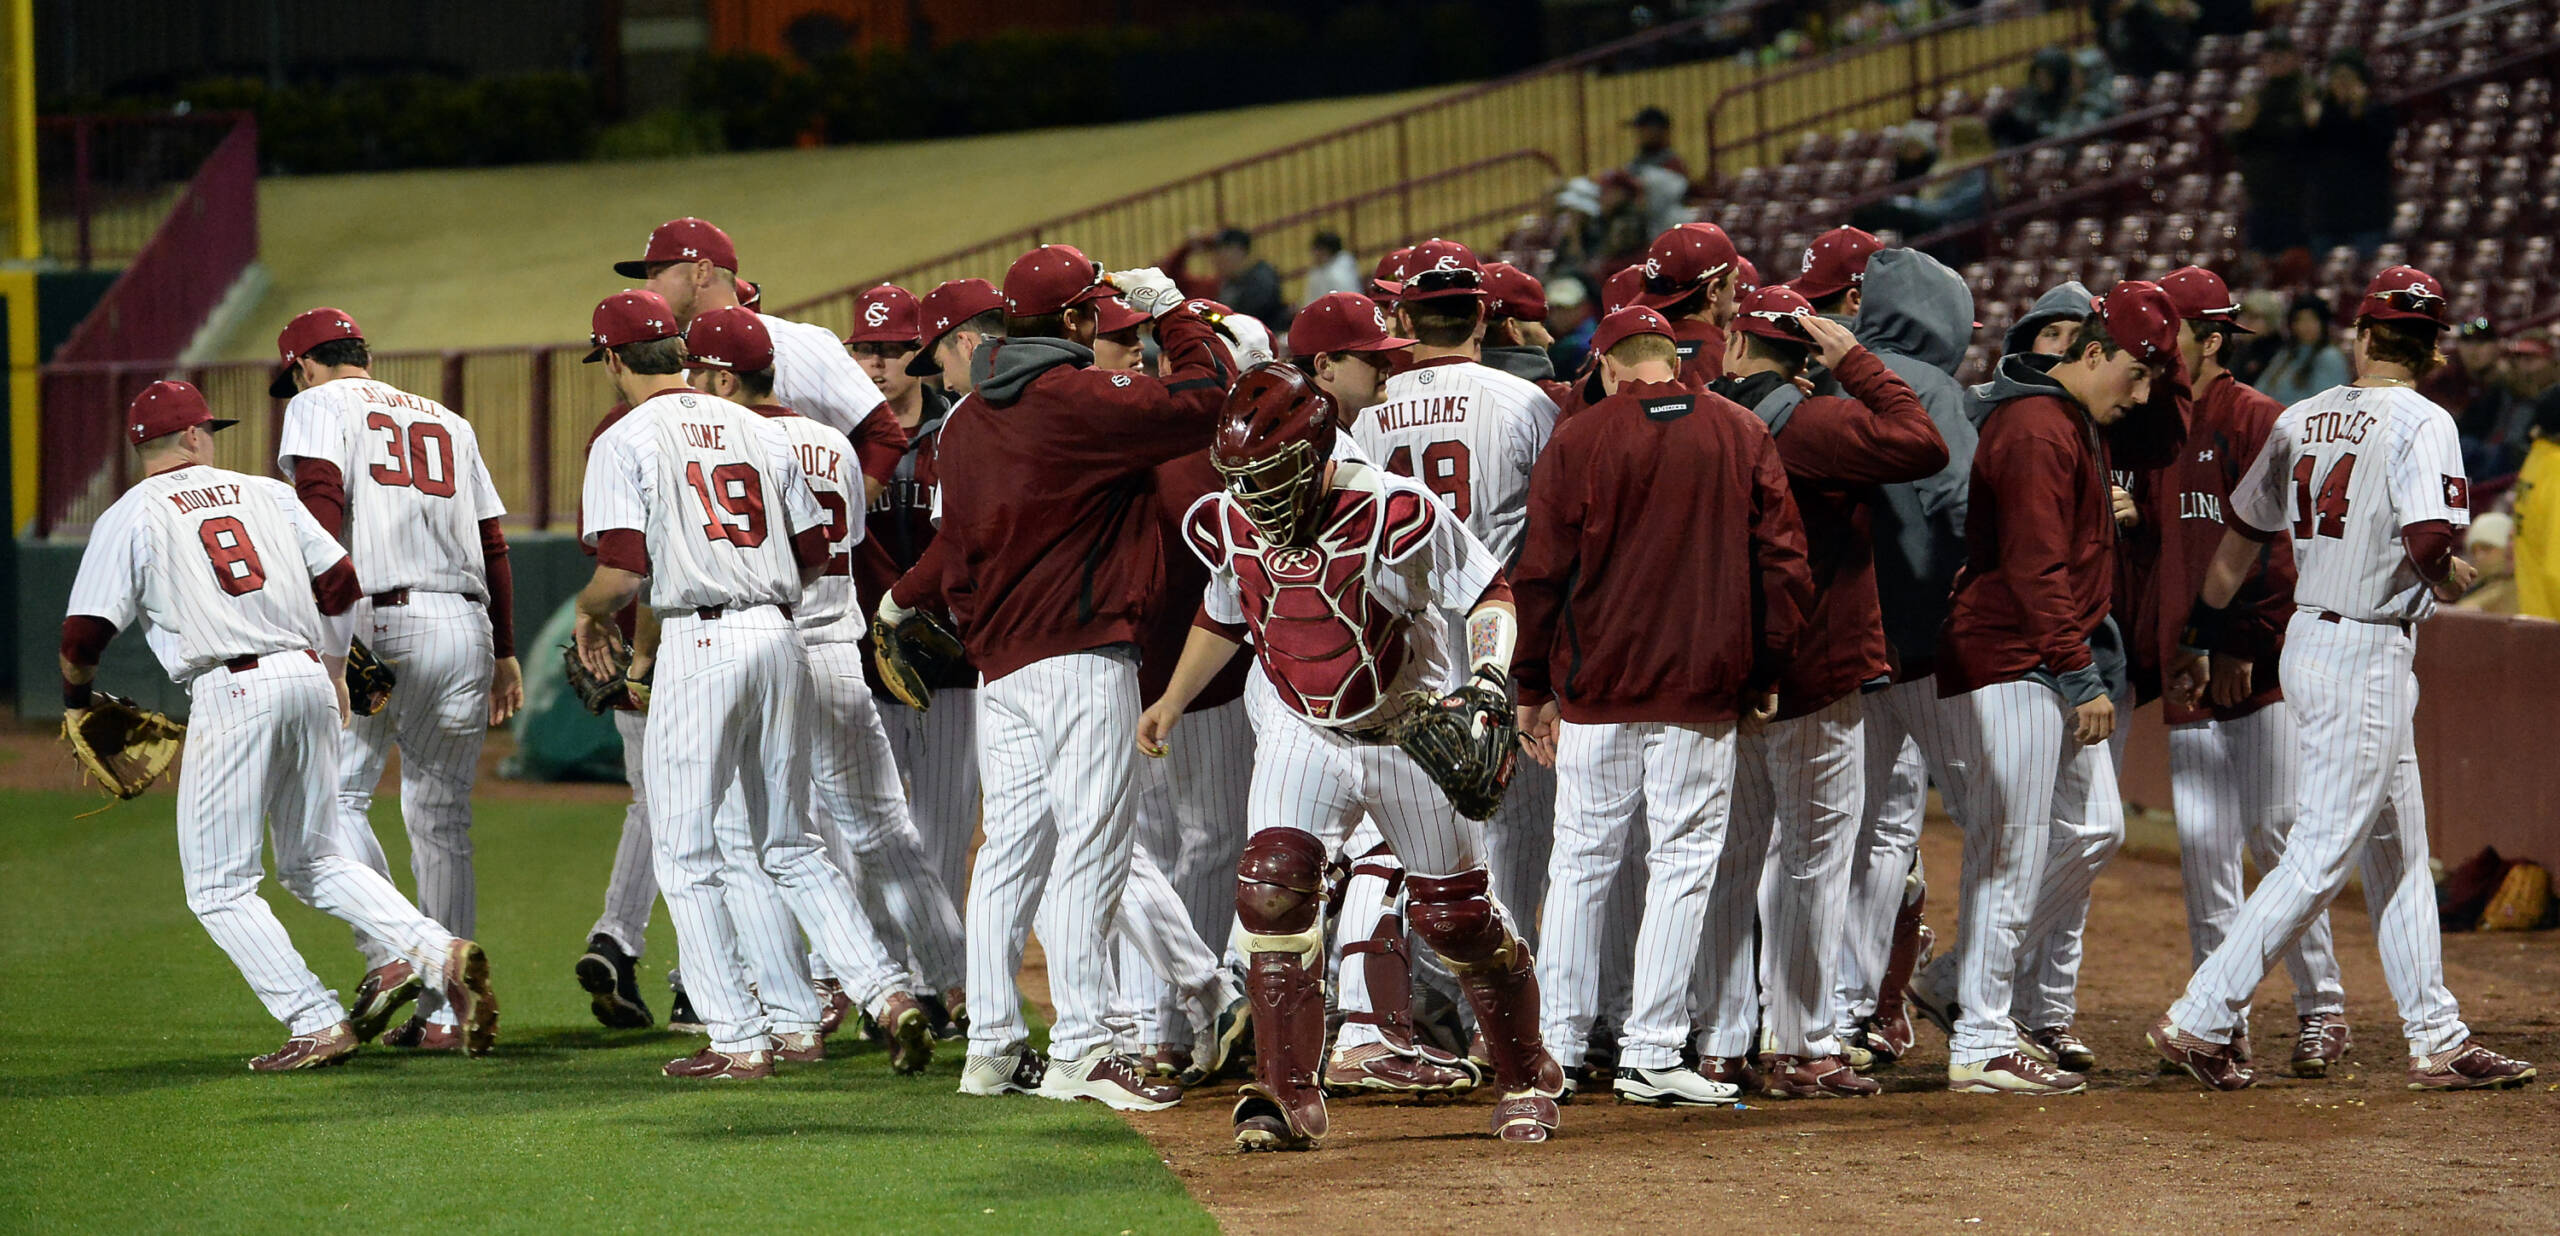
pixel 1387 966
pixel 1905 956
pixel 1492 964
pixel 1279 883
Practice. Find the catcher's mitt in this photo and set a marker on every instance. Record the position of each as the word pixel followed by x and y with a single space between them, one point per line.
pixel 120 745
pixel 1467 741
pixel 2522 901
pixel 369 680
pixel 913 654
pixel 596 693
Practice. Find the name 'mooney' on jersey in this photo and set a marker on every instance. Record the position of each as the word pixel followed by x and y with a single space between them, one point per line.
pixel 2345 471
pixel 1469 433
pixel 217 563
pixel 416 485
pixel 835 480
pixel 715 489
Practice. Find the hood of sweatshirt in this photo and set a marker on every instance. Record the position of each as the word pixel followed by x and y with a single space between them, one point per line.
pixel 2069 300
pixel 1915 306
pixel 1005 367
pixel 1522 361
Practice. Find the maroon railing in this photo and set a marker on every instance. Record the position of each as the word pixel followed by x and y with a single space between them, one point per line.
pixel 106 182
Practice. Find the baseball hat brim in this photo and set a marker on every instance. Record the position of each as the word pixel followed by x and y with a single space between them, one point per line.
pixel 635 269
pixel 922 364
pixel 281 386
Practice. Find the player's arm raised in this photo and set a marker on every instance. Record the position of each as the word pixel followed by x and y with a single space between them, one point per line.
pixel 1880 435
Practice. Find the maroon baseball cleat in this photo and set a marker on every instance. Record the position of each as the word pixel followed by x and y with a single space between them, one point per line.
pixel 2468 1067
pixel 419 1034
pixel 1824 1077
pixel 467 993
pixel 1262 1123
pixel 2063 1048
pixel 1108 1078
pixel 1734 1071
pixel 1376 1068
pixel 833 1005
pixel 316 1050
pixel 909 1031
pixel 2206 1061
pixel 2322 1041
pixel 379 997
pixel 800 1047
pixel 711 1064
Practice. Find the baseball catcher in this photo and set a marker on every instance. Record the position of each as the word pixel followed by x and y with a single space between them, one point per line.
pixel 121 745
pixel 1467 740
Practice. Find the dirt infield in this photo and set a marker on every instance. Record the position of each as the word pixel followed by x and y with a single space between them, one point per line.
pixel 2138 1153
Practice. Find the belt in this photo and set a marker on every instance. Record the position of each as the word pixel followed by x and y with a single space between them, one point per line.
pixel 400 596
pixel 2402 623
pixel 709 613
pixel 242 665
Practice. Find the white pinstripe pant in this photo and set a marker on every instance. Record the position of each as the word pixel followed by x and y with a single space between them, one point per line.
pixel 2233 785
pixel 2040 816
pixel 1518 841
pixel 1190 808
pixel 731 707
pixel 872 839
pixel 632 889
pixel 262 748
pixel 1314 780
pixel 1055 741
pixel 437 716
pixel 2354 690
pixel 937 752
pixel 1888 845
pixel 1681 778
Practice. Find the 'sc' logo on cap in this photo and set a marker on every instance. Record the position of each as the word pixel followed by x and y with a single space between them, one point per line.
pixel 876 314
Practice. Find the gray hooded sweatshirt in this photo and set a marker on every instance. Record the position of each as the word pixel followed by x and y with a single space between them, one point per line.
pixel 1917 317
pixel 1522 361
pixel 1002 368
pixel 2067 300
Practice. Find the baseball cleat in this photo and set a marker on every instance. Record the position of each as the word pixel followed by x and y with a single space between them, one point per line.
pixel 1165 1060
pixel 680 1015
pixel 2468 1067
pixel 1889 1035
pixel 1672 1087
pixel 1018 1071
pixel 800 1047
pixel 2322 1041
pixel 1216 1048
pixel 909 1032
pixel 1263 1124
pixel 468 997
pixel 1110 1079
pixel 833 1005
pixel 612 983
pixel 1939 1009
pixel 379 996
pixel 2202 1059
pixel 1822 1077
pixel 2062 1048
pixel 1855 1052
pixel 948 1014
pixel 2027 1044
pixel 1734 1071
pixel 419 1034
pixel 2013 1073
pixel 1376 1068
pixel 1526 1116
pixel 711 1064
pixel 316 1050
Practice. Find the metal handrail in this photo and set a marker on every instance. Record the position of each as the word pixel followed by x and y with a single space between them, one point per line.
pixel 2157 113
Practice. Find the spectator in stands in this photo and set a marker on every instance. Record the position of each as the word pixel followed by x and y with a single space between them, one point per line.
pixel 2490 399
pixel 2308 363
pixel 2153 36
pixel 1570 319
pixel 2537 510
pixel 2055 102
pixel 1331 268
pixel 2048 325
pixel 2261 312
pixel 2265 135
pixel 1653 144
pixel 1915 149
pixel 1237 279
pixel 1959 198
pixel 2348 135
pixel 2489 548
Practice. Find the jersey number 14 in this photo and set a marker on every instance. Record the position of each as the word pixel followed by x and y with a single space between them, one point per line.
pixel 2326 515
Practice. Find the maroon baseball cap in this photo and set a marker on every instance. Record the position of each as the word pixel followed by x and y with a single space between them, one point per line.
pixel 944 309
pixel 1682 260
pixel 2201 296
pixel 2404 294
pixel 1052 279
pixel 1442 270
pixel 1746 277
pixel 1342 322
pixel 749 294
pixel 629 316
pixel 1835 262
pixel 1510 292
pixel 1626 324
pixel 2142 320
pixel 1111 315
pixel 1388 279
pixel 1621 290
pixel 886 314
pixel 733 339
pixel 1774 312
pixel 308 330
pixel 164 408
pixel 682 240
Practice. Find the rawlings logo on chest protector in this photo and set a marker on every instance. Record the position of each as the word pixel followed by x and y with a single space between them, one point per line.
pixel 1329 644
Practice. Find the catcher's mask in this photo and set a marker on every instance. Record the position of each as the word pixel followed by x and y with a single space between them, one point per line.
pixel 1274 437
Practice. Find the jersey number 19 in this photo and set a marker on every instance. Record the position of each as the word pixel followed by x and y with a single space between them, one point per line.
pixel 738 490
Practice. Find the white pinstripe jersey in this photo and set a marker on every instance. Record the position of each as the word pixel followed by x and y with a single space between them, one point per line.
pixel 715 488
pixel 835 480
pixel 1469 433
pixel 814 376
pixel 217 564
pixel 2345 471
pixel 417 487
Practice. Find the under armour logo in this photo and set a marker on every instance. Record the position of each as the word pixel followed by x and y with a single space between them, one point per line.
pixel 2205 455
pixel 876 315
pixel 692 252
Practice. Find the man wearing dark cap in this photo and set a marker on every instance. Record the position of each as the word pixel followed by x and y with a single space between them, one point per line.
pixel 1653 142
pixel 1835 271
pixel 1690 276
pixel 1515 328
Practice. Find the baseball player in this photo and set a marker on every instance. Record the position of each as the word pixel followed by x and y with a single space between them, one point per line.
pixel 1050 567
pixel 1343 573
pixel 401 480
pixel 2368 478
pixel 1469 433
pixel 2232 761
pixel 706 505
pixel 1691 276
pixel 1515 329
pixel 1835 272
pixel 1661 498
pixel 246 600
pixel 1801 785
pixel 2023 699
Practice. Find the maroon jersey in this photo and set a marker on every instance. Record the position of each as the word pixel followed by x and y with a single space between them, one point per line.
pixel 1652 515
pixel 1178 485
pixel 2230 427
pixel 1701 345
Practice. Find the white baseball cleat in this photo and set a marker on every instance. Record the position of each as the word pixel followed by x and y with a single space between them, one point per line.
pixel 2013 1073
pixel 1108 1078
pixel 1013 1072
pixel 1672 1087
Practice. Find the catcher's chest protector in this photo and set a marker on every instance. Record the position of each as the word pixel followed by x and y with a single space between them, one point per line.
pixel 1329 642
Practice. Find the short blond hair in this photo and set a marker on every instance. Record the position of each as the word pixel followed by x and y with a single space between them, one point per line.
pixel 1637 349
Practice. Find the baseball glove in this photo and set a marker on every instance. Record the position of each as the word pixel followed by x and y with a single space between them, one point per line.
pixel 912 654
pixel 120 745
pixel 1467 742
pixel 369 680
pixel 2522 901
pixel 596 693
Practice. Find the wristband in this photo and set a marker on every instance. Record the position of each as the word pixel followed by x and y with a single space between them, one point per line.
pixel 75 695
pixel 2206 627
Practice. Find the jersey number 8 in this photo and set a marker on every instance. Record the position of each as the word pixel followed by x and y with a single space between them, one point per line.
pixel 235 560
pixel 425 462
pixel 738 490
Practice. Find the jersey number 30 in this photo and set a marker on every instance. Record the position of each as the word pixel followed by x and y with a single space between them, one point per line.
pixel 1444 472
pixel 2327 515
pixel 737 489
pixel 425 463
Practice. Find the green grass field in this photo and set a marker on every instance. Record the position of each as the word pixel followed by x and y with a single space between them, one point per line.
pixel 128 1105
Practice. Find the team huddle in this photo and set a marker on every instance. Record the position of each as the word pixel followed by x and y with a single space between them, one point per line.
pixel 1621 691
